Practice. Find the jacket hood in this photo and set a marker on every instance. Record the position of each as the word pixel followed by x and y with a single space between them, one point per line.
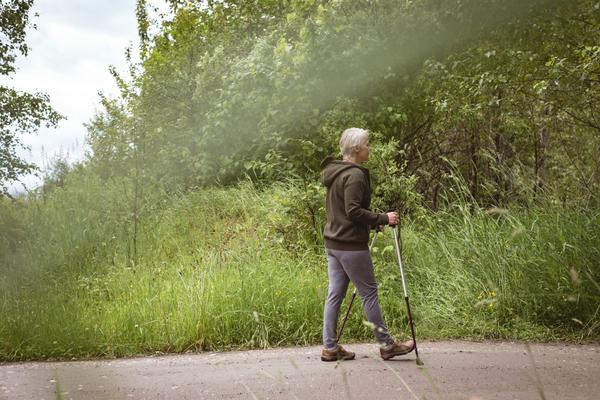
pixel 332 168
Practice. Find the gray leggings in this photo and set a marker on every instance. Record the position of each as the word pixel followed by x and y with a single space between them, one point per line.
pixel 356 266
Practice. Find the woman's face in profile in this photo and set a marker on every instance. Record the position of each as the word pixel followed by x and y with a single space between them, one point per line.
pixel 363 152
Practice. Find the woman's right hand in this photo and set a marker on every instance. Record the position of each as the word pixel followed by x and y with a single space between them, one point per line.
pixel 393 218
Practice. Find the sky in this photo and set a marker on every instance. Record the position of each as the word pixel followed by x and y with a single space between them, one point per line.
pixel 70 51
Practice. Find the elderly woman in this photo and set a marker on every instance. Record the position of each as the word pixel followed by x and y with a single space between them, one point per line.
pixel 346 240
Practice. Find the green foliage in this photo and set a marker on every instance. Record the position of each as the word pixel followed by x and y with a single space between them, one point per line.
pixel 394 189
pixel 196 221
pixel 56 174
pixel 488 88
pixel 19 112
pixel 298 215
pixel 14 20
pixel 238 267
pixel 510 108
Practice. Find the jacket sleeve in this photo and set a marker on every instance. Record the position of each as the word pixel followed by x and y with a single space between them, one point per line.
pixel 354 191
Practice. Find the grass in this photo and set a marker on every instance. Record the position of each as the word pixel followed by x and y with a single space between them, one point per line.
pixel 239 268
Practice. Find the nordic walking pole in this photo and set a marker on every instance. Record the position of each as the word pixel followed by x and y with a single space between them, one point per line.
pixel 354 293
pixel 410 319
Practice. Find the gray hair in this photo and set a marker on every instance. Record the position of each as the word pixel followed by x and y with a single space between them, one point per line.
pixel 352 137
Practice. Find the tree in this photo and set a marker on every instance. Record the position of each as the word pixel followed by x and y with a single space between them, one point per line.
pixel 500 94
pixel 20 112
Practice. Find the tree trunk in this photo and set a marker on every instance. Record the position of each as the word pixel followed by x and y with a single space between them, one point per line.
pixel 541 150
pixel 474 161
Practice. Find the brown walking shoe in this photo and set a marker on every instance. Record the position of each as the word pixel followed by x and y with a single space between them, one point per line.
pixel 338 354
pixel 397 349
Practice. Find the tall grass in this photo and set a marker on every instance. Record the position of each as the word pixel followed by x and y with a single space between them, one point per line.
pixel 243 268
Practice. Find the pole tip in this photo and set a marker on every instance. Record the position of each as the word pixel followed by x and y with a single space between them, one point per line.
pixel 419 362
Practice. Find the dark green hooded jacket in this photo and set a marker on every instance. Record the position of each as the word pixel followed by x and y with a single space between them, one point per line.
pixel 348 199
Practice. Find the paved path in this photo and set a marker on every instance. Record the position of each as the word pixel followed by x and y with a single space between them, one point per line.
pixel 453 370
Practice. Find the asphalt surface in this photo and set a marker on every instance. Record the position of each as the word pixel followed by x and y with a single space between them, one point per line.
pixel 453 370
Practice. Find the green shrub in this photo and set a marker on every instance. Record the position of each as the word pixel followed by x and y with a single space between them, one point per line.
pixel 244 267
